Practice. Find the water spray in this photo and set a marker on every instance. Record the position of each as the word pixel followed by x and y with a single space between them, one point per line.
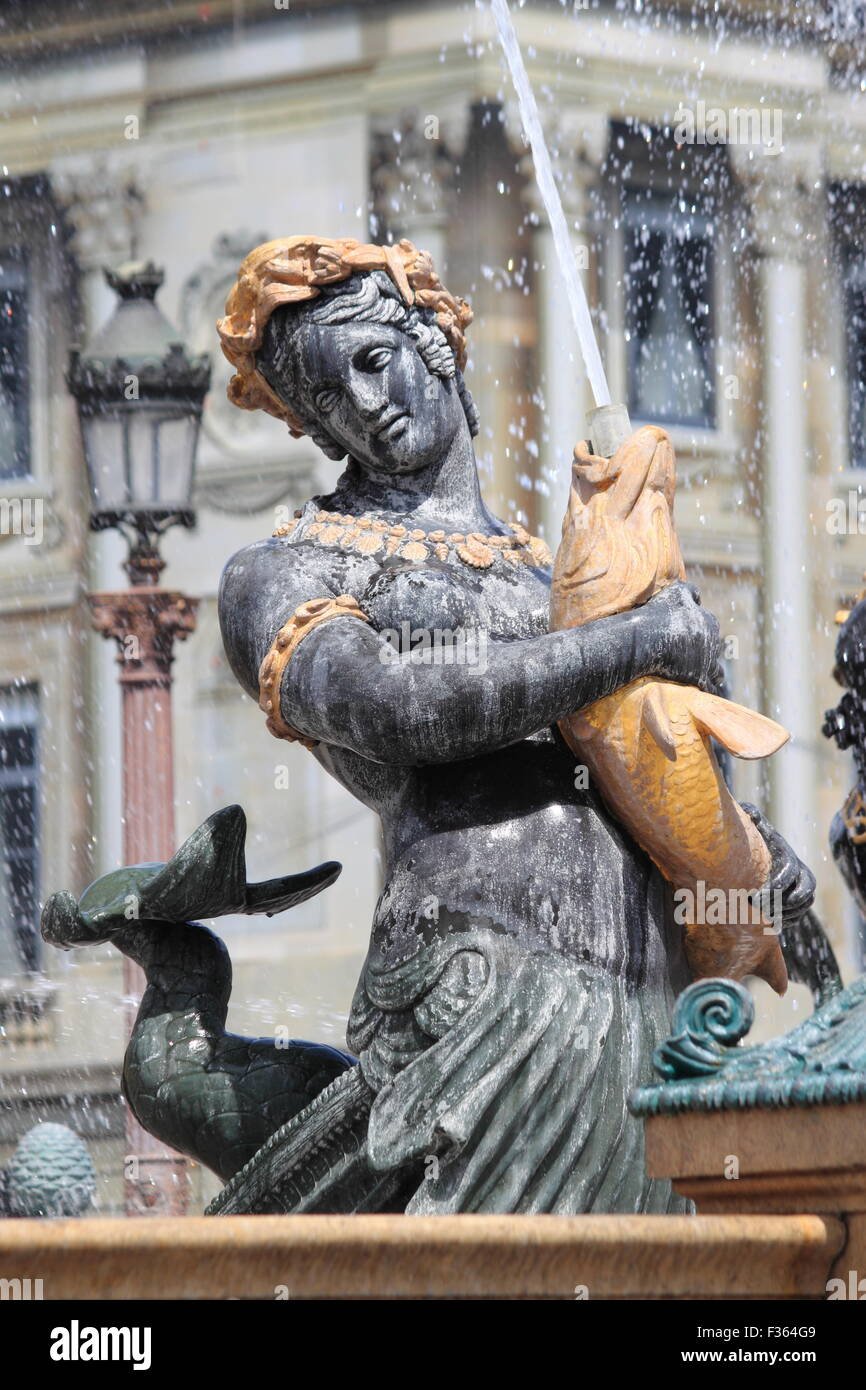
pixel 608 424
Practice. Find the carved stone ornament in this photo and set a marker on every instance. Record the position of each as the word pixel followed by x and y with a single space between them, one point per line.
pixel 780 191
pixel 820 1062
pixel 244 463
pixel 144 623
pixel 411 172
pixel 103 199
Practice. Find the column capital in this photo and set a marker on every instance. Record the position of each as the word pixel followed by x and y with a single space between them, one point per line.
pixel 577 139
pixel 145 623
pixel 413 168
pixel 780 190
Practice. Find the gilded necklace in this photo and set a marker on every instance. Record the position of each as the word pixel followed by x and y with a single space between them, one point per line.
pixel 370 536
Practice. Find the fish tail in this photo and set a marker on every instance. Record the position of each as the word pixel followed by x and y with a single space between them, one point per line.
pixel 744 732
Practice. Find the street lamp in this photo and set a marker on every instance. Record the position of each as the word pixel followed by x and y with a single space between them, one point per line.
pixel 140 397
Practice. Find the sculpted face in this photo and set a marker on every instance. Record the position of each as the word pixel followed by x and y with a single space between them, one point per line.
pixel 370 390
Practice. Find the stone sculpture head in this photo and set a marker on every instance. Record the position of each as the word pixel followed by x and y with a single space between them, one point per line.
pixel 361 347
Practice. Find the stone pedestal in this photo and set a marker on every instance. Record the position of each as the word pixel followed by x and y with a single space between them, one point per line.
pixel 773 1129
pixel 799 1159
pixel 805 1159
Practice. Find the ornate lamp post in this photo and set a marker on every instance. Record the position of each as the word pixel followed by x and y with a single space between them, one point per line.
pixel 140 398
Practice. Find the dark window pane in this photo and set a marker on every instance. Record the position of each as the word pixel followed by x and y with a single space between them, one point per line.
pixel 669 314
pixel 855 330
pixel 24 911
pixel 17 819
pixel 22 892
pixel 14 369
pixel 17 747
pixel 19 828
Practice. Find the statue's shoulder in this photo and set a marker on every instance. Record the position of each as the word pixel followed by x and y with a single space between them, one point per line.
pixel 280 561
pixel 260 588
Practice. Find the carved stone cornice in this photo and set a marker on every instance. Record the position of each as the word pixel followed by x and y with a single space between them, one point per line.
pixel 780 190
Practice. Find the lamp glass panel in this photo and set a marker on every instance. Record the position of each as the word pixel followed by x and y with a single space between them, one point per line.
pixel 141 458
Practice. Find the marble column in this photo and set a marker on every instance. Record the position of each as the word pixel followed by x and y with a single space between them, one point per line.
pixel 780 192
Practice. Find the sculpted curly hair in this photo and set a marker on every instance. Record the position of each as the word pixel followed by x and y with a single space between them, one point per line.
pixel 366 298
pixel 351 281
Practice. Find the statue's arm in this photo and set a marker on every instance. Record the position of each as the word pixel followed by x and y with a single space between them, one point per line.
pixel 336 688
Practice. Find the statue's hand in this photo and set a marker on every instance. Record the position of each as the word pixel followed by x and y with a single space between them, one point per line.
pixel 687 643
pixel 788 874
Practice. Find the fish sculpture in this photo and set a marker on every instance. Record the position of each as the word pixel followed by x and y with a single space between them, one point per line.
pixel 648 745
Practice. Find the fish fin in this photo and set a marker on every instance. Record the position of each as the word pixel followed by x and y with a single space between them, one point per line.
pixel 772 968
pixel 735 954
pixel 655 720
pixel 744 732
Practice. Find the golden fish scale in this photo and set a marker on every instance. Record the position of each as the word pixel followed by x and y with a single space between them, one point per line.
pixel 679 810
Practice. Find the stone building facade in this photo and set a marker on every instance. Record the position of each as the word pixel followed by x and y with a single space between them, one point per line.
pixel 712 167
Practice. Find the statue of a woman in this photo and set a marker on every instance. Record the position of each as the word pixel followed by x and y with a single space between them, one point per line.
pixel 523 960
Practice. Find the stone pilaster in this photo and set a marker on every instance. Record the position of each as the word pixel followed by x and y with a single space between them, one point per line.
pixel 780 193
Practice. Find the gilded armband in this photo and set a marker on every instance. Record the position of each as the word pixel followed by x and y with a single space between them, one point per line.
pixel 307 616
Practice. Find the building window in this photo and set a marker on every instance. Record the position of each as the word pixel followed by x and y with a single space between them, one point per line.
pixel 19 832
pixel 669 310
pixel 14 367
pixel 854 286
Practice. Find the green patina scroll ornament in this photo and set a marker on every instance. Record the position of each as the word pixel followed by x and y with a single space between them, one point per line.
pixel 820 1062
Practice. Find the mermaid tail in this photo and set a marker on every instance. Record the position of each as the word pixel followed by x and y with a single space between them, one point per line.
pixel 212 1095
pixel 648 744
